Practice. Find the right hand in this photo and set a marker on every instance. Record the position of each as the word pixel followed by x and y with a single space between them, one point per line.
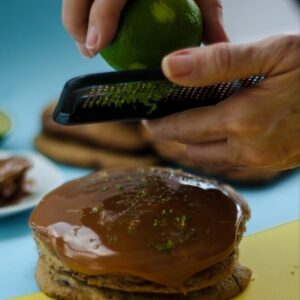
pixel 93 23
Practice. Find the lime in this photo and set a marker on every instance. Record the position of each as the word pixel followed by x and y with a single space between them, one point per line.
pixel 5 124
pixel 150 29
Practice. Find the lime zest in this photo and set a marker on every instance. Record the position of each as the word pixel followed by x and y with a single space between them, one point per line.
pixel 147 94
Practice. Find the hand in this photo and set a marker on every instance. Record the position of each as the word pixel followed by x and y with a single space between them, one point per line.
pixel 258 127
pixel 93 23
pixel 176 152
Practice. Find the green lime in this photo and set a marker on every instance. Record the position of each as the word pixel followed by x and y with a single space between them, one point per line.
pixel 150 29
pixel 5 124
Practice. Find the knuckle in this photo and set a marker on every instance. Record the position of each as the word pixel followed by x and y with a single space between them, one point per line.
pixel 217 4
pixel 259 157
pixel 253 158
pixel 159 129
pixel 285 51
pixel 106 9
pixel 151 128
pixel 250 126
pixel 239 126
pixel 236 126
pixel 222 57
pixel 71 25
pixel 170 128
pixel 211 5
pixel 293 46
pixel 292 40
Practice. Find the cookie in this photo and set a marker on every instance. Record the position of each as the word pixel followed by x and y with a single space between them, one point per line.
pixel 141 233
pixel 62 286
pixel 112 135
pixel 82 155
pixel 128 283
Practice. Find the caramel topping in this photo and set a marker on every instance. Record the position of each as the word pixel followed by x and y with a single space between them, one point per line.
pixel 13 184
pixel 157 224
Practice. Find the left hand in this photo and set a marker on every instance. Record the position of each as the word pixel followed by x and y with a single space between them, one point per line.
pixel 258 127
pixel 94 23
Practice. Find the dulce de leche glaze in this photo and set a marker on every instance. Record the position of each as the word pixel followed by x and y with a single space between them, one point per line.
pixel 157 224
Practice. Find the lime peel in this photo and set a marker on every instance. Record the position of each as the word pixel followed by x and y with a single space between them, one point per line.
pixel 150 29
pixel 162 12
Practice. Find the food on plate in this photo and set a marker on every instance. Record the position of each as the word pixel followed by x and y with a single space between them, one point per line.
pixel 13 182
pixel 142 233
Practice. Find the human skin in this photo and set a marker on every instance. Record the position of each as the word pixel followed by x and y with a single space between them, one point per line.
pixel 93 24
pixel 256 129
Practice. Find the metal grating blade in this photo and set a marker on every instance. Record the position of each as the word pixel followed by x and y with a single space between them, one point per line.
pixel 110 100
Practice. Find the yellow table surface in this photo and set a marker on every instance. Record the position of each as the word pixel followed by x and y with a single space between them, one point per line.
pixel 274 257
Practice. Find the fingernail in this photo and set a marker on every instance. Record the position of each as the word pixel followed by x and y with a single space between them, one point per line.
pixel 92 38
pixel 178 65
pixel 83 51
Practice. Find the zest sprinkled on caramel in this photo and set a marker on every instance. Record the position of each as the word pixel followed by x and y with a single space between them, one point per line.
pixel 142 222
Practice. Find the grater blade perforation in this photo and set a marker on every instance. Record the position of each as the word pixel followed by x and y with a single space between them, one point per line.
pixel 136 95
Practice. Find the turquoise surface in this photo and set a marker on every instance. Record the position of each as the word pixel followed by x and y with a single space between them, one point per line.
pixel 36 58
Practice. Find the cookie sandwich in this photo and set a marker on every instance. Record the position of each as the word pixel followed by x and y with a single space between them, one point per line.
pixel 139 234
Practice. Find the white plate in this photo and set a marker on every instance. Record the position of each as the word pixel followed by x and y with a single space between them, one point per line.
pixel 45 175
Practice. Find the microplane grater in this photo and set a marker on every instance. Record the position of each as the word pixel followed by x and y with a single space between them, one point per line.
pixel 136 95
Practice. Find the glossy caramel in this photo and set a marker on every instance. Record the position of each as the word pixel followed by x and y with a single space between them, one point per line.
pixel 14 185
pixel 157 224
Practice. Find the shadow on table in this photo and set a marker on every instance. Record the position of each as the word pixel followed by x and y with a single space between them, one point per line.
pixel 15 226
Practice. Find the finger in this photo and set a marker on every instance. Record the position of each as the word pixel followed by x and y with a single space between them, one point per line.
pixel 83 50
pixel 223 62
pixel 214 31
pixel 75 14
pixel 198 125
pixel 103 22
pixel 218 156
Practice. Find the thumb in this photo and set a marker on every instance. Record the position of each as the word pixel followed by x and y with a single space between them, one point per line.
pixel 222 62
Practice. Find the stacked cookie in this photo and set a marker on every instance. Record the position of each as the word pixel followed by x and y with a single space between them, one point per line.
pixel 102 145
pixel 141 234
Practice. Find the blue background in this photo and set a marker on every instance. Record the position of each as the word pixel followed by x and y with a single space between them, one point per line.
pixel 37 57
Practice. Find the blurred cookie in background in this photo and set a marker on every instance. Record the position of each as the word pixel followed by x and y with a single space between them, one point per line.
pixel 81 155
pixel 103 145
pixel 176 152
pixel 112 135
